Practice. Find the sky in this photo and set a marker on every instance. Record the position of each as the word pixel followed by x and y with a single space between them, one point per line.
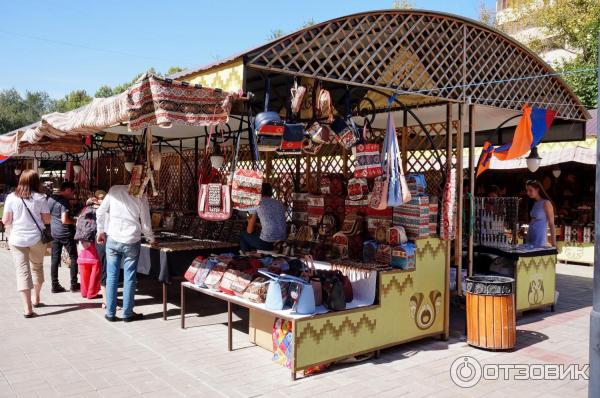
pixel 59 46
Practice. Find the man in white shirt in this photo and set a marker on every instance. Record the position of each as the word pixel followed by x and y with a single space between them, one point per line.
pixel 127 218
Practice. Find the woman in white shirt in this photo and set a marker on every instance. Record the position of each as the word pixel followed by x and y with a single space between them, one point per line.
pixel 25 214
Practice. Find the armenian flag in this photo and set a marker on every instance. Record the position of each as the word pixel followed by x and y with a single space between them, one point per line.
pixel 533 125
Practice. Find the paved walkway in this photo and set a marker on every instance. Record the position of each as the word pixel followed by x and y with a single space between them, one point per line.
pixel 70 350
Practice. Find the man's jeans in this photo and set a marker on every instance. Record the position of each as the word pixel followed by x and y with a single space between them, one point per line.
pixel 129 254
pixel 57 246
pixel 251 242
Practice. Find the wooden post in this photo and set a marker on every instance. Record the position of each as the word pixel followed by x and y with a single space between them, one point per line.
pixel 179 170
pixel 460 202
pixel 269 166
pixel 446 333
pixel 404 140
pixel 345 162
pixel 471 186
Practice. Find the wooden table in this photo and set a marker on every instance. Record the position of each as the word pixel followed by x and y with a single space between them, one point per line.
pixel 231 300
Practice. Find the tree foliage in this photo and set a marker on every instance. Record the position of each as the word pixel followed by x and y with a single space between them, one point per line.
pixel 17 111
pixel 73 100
pixel 572 25
pixel 403 4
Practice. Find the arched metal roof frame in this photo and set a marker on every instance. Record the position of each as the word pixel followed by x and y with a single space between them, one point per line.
pixel 442 57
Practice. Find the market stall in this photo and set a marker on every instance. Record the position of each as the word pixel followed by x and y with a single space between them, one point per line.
pixel 377 206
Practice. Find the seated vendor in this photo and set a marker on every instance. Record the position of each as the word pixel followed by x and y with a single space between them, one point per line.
pixel 271 213
pixel 542 216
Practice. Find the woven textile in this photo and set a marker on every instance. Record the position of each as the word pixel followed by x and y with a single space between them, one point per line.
pixel 156 101
pixel 87 120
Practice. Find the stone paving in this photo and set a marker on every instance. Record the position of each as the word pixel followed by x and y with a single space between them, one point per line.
pixel 70 350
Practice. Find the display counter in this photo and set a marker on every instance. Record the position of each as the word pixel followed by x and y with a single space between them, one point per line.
pixel 575 252
pixel 409 305
pixel 534 272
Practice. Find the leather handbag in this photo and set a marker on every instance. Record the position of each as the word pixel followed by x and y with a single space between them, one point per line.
pixel 349 136
pixel 383 254
pixel 325 105
pixel 268 126
pixel 334 297
pixel 320 133
pixel 314 280
pixel 297 99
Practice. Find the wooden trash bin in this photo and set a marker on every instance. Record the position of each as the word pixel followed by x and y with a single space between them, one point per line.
pixel 491 317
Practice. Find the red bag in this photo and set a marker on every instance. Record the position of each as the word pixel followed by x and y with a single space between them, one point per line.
pixel 246 189
pixel 191 272
pixel 214 202
pixel 358 188
pixel 367 161
pixel 378 198
pixel 234 282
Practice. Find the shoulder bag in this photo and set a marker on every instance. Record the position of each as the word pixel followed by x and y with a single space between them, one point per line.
pixel 46 236
pixel 214 201
pixel 246 186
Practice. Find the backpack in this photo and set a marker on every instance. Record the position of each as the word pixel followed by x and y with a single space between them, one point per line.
pixel 85 228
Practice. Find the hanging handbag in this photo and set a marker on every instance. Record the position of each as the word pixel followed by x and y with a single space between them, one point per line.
pixel 378 197
pixel 320 133
pixel 316 209
pixel 293 136
pixel 398 192
pixel 214 200
pixel 246 186
pixel 324 105
pixel 46 237
pixel 367 161
pixel 268 126
pixel 297 99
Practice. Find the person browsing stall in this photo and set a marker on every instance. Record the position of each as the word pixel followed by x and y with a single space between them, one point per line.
pixel 62 228
pixel 271 214
pixel 25 215
pixel 542 216
pixel 127 218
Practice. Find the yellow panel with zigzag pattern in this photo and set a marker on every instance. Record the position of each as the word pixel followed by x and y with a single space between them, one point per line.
pixel 229 77
pixel 411 305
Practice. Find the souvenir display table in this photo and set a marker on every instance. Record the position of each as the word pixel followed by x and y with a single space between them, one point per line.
pixel 409 305
pixel 575 252
pixel 165 260
pixel 534 271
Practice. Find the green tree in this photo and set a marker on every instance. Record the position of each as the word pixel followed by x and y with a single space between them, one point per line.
pixel 174 69
pixel 104 91
pixel 73 100
pixel 572 25
pixel 275 34
pixel 17 111
pixel 403 4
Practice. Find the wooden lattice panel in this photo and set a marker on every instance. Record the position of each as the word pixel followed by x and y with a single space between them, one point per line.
pixel 420 53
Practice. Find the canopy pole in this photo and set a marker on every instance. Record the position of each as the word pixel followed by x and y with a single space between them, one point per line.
pixel 458 246
pixel 470 248
pixel 594 375
pixel 448 258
